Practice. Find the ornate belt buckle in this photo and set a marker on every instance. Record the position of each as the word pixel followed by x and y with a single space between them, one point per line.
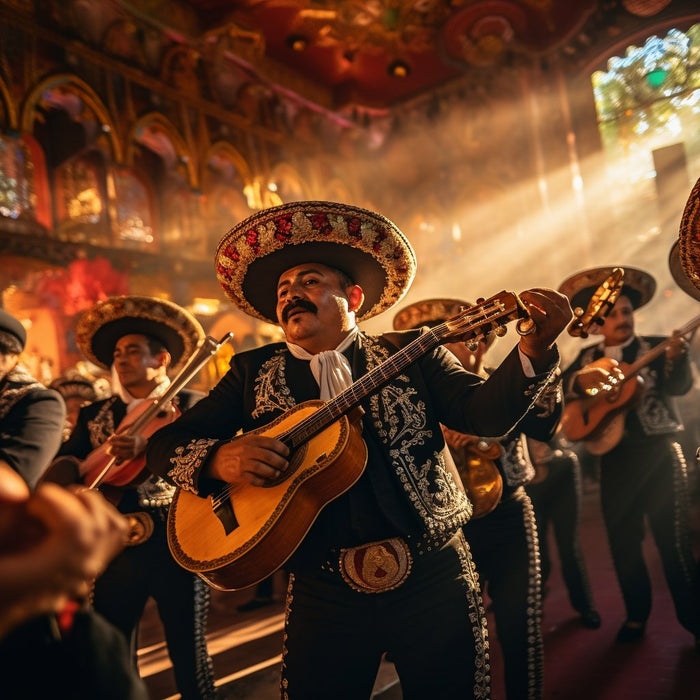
pixel 376 567
pixel 140 528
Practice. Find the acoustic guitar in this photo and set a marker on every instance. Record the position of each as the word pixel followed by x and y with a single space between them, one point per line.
pixel 599 421
pixel 241 534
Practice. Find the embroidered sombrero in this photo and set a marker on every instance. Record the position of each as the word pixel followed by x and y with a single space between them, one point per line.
pixel 679 274
pixel 368 247
pixel 689 240
pixel 638 286
pixel 100 327
pixel 430 312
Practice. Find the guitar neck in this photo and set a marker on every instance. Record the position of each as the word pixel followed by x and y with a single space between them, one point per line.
pixel 473 322
pixel 367 385
pixel 652 354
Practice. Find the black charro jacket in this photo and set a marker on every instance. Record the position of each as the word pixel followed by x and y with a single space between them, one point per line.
pixel 31 424
pixel 410 477
pixel 96 423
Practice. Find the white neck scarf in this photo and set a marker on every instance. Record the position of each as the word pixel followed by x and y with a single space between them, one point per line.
pixel 330 368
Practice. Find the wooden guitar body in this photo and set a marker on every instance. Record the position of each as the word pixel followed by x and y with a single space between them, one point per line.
pixel 582 417
pixel 242 534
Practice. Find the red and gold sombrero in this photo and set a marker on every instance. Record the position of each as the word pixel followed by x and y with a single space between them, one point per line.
pixel 638 286
pixel 689 241
pixel 368 247
pixel 430 312
pixel 101 326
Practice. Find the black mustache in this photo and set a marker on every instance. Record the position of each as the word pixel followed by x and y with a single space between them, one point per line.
pixel 298 304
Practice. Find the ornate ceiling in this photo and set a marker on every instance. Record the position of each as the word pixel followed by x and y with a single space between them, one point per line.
pixel 371 54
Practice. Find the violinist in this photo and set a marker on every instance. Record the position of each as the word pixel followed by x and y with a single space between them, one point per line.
pixel 503 541
pixel 643 474
pixel 139 339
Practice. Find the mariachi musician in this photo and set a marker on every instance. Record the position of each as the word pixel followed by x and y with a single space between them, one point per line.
pixel 642 467
pixel 138 339
pixel 502 534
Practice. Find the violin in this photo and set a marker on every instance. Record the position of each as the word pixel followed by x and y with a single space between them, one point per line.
pixel 99 466
pixel 599 306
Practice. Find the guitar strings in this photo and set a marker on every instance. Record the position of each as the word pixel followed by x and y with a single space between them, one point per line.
pixel 351 396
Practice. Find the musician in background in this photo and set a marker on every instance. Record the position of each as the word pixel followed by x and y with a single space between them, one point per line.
pixel 644 474
pixel 555 492
pixel 138 339
pixel 503 539
pixel 29 412
pixel 77 391
pixel 384 566
pixel 52 542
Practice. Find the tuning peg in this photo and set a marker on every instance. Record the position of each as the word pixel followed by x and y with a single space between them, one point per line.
pixel 500 331
pixel 578 311
pixel 472 345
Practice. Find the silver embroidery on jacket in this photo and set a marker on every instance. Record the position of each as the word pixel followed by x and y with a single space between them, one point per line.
pixel 102 427
pixel 431 487
pixel 271 390
pixel 187 461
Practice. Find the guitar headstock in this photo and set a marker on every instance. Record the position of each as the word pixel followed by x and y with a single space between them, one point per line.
pixel 486 316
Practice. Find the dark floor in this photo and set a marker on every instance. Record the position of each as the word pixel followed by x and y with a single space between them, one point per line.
pixel 580 664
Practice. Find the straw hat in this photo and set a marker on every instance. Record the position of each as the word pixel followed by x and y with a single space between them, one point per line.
pixel 100 327
pixel 368 247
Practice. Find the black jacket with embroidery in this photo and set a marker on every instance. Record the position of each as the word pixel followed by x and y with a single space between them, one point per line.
pixel 410 486
pixel 31 424
pixel 95 424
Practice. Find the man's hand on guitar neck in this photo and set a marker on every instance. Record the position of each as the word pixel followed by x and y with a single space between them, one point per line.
pixel 602 375
pixel 257 459
pixel 677 346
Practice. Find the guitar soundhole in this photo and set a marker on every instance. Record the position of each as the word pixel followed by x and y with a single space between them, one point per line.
pixel 295 461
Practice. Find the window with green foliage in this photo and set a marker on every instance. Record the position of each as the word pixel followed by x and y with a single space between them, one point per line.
pixel 649 99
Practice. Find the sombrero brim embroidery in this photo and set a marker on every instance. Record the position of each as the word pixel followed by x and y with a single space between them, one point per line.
pixel 100 327
pixel 638 286
pixel 679 274
pixel 689 238
pixel 368 247
pixel 431 311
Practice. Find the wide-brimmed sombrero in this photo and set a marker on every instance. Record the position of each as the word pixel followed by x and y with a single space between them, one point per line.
pixel 74 386
pixel 100 327
pixel 365 245
pixel 638 286
pixel 430 312
pixel 689 239
pixel 679 274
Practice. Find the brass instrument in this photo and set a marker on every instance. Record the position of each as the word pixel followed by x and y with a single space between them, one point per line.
pixel 599 306
pixel 480 476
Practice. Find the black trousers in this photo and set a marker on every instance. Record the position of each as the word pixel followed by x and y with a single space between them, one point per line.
pixel 648 479
pixel 557 500
pixel 433 626
pixel 506 556
pixel 182 598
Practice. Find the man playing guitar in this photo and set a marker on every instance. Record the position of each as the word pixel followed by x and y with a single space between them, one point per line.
pixel 642 470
